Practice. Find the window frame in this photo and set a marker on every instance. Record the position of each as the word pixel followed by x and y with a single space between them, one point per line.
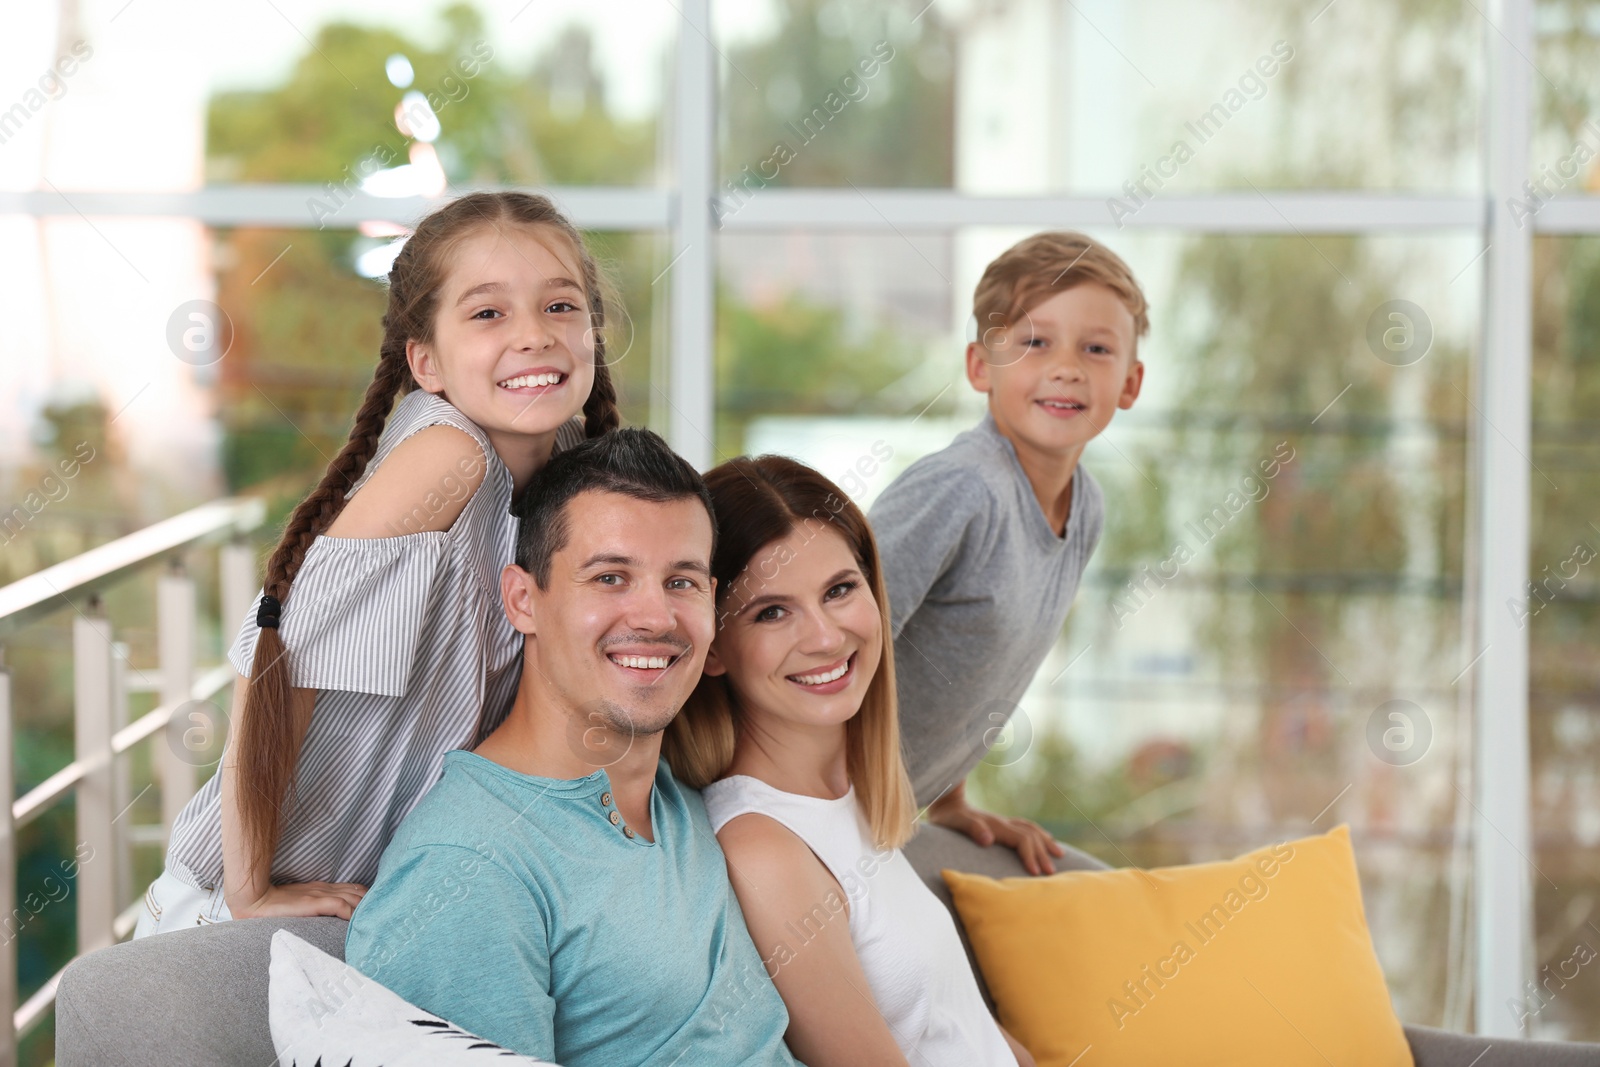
pixel 1501 424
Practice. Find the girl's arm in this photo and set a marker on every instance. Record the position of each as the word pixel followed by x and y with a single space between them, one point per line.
pixel 247 878
pixel 421 486
pixel 783 887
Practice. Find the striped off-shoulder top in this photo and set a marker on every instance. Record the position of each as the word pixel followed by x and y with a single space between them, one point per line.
pixel 411 654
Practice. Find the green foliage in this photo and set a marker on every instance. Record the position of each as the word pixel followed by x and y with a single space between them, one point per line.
pixel 1274 305
pixel 307 336
pixel 335 109
pixel 899 133
pixel 1108 812
pixel 1051 785
pixel 1357 545
pixel 553 127
pixel 308 328
pixel 545 126
pixel 797 357
pixel 1563 611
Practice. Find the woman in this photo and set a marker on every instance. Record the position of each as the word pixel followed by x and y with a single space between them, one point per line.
pixel 793 737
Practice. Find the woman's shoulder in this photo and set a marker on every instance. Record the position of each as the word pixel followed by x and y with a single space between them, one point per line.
pixel 741 794
pixel 727 798
pixel 780 857
pixel 764 841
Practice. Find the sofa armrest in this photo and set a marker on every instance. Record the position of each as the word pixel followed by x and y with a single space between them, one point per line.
pixel 190 997
pixel 1439 1048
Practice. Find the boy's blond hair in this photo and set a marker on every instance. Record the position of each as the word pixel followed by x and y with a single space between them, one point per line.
pixel 1036 268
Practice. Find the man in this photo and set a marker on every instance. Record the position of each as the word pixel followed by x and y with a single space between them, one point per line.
pixel 558 891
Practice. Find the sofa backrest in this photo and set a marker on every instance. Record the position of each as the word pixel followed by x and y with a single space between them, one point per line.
pixel 935 849
pixel 186 997
pixel 200 996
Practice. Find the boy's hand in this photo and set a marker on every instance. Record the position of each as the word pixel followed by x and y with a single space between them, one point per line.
pixel 1032 842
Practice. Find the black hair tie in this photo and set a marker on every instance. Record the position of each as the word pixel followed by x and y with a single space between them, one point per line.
pixel 267 612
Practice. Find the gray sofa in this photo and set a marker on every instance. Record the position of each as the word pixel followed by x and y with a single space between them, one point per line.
pixel 199 997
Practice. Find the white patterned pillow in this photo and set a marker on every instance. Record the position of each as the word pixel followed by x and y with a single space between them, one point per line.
pixel 322 1010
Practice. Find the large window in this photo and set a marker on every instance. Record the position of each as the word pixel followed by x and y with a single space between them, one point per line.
pixel 1561 609
pixel 1283 555
pixel 795 198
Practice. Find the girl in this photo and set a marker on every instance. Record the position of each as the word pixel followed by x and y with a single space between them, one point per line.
pixel 393 648
pixel 793 736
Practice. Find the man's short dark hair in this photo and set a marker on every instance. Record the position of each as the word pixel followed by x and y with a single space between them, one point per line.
pixel 632 462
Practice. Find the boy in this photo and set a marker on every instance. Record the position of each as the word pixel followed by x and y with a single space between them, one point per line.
pixel 983 543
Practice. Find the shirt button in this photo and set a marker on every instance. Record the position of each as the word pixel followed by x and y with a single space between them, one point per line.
pixel 627 832
pixel 615 818
pixel 605 798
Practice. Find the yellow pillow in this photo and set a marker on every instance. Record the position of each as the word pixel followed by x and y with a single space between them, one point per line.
pixel 1264 959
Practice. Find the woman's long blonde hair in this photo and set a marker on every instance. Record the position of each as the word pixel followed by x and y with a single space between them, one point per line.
pixel 758 501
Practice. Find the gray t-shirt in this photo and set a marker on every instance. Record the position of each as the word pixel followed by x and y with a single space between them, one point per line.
pixel 979 587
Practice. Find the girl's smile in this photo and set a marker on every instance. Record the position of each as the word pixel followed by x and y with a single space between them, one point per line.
pixel 535 381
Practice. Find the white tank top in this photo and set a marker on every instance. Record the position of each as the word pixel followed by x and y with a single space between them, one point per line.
pixel 906 940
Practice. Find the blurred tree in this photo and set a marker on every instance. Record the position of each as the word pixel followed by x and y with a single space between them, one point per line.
pixel 1562 610
pixel 794 356
pixel 798 108
pixel 78 494
pixel 548 126
pixel 307 326
pixel 1101 811
pixel 556 127
pixel 75 496
pixel 1343 585
pixel 894 128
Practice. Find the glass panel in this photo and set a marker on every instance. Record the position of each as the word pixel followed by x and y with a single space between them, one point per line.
pixel 1281 568
pixel 1094 96
pixel 836 94
pixel 498 92
pixel 1566 134
pixel 469 98
pixel 820 326
pixel 1562 614
pixel 567 97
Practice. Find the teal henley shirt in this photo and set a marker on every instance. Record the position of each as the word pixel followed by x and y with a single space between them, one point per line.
pixel 528 912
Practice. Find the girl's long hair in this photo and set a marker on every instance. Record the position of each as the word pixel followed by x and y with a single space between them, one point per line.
pixel 758 501
pixel 268 738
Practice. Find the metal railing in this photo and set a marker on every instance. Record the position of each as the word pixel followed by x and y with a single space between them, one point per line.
pixel 101 685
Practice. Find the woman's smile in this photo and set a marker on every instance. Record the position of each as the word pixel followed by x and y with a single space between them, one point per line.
pixel 827 679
